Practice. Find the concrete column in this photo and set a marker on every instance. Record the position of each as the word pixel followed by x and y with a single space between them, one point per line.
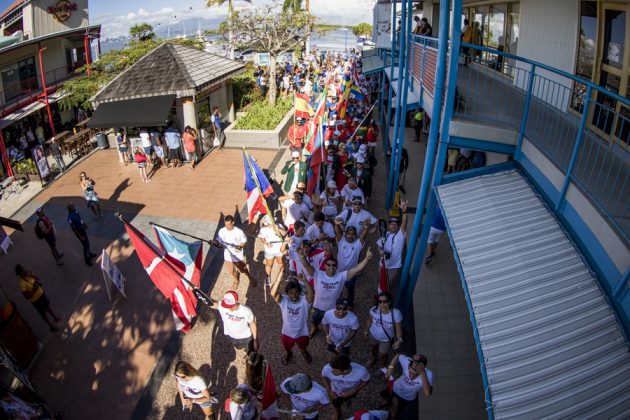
pixel 230 100
pixel 188 112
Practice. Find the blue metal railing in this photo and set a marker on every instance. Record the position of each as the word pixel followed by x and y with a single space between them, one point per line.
pixel 583 128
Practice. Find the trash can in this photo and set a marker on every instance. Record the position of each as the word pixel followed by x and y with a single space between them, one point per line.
pixel 101 141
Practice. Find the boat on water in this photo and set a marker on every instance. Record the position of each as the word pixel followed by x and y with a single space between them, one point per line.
pixel 364 40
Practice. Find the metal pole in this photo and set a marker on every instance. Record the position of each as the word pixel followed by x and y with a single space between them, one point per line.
pixel 86 47
pixel 41 71
pixel 5 158
pixel 399 117
pixel 432 144
pixel 391 80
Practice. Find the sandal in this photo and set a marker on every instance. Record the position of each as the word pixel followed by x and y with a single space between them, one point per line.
pixel 285 358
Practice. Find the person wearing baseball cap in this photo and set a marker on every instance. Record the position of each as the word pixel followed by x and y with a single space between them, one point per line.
pixel 393 246
pixel 363 176
pixel 303 395
pixel 340 325
pixel 239 325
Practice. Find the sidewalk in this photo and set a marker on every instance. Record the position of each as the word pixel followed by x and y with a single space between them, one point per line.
pixel 442 324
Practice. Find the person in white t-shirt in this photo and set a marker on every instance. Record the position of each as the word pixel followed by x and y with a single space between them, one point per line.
pixel 415 378
pixel 145 141
pixel 351 190
pixel 304 396
pixel 343 380
pixel 329 285
pixel 272 242
pixel 193 388
pixel 340 325
pixel 331 200
pixel 320 232
pixel 296 210
pixel 357 217
pixel 239 324
pixel 348 251
pixel 384 327
pixel 370 415
pixel 393 248
pixel 233 240
pixel 294 308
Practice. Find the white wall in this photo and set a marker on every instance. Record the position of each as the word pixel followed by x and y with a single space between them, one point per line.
pixel 548 34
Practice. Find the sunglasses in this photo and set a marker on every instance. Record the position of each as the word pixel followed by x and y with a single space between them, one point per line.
pixel 342 308
pixel 383 301
pixel 331 265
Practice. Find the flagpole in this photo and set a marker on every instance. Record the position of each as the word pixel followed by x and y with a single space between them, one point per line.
pixel 201 295
pixel 361 123
pixel 262 196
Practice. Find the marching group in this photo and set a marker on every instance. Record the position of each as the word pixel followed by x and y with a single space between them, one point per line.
pixel 318 240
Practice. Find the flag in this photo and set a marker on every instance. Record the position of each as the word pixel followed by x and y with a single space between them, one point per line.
pixel 165 276
pixel 320 112
pixel 316 161
pixel 257 187
pixel 383 283
pixel 186 257
pixel 357 94
pixel 302 107
pixel 343 104
pixel 270 397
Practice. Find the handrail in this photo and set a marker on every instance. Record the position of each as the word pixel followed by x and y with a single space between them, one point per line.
pixel 573 77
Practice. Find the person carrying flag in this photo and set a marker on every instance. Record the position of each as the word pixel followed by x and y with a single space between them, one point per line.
pixel 272 242
pixel 393 247
pixel 233 240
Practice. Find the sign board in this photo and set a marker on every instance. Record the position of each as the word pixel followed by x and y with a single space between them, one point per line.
pixel 112 274
pixel 40 161
pixel 263 59
pixel 382 27
pixel 614 52
pixel 5 241
pixel 62 10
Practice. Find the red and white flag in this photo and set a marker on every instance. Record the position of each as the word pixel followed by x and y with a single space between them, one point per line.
pixel 270 397
pixel 257 186
pixel 163 274
pixel 383 282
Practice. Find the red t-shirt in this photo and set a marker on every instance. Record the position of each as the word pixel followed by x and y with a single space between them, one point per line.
pixel 189 142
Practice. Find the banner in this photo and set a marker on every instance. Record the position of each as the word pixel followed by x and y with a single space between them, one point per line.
pixel 113 274
pixel 382 27
pixel 40 160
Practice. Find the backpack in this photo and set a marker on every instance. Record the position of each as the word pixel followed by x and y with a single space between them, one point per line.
pixel 38 230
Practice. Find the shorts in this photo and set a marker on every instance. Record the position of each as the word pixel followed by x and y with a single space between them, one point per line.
pixel 147 150
pixel 371 144
pixel 241 343
pixel 289 342
pixel 173 154
pixel 205 404
pixel 91 203
pixel 316 316
pixel 51 240
pixel 122 149
pixel 435 235
pixel 142 165
pixel 192 155
pixel 270 255
pixel 41 305
pixel 383 346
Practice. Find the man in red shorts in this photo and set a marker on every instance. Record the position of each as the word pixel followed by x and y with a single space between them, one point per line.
pixel 295 308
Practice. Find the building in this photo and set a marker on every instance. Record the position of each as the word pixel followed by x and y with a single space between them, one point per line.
pixel 43 43
pixel 540 231
pixel 174 83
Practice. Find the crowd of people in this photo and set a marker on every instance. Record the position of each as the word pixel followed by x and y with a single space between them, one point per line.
pixel 316 244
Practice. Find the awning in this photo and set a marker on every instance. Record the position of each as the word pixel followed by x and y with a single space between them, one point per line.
pixel 27 110
pixel 150 111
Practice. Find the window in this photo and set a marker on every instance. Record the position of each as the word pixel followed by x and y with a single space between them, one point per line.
pixel 19 78
pixel 586 52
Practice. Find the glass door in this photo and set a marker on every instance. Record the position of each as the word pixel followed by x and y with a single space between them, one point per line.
pixel 609 117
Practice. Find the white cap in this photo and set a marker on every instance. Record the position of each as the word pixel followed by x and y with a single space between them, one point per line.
pixel 295 154
pixel 360 159
pixel 331 184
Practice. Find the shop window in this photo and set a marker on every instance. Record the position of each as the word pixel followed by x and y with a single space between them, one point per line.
pixel 604 110
pixel 19 78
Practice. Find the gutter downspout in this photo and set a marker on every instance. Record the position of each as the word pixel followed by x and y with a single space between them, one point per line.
pixel 41 70
pixel 385 128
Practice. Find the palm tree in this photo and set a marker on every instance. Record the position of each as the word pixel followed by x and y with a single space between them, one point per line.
pixel 295 6
pixel 219 3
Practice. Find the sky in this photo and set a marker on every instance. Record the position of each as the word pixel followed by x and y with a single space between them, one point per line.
pixel 117 16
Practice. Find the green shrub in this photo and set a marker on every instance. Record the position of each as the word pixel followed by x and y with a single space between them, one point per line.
pixel 262 116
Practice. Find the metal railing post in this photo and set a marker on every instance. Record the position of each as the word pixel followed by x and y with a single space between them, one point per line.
pixel 391 81
pixel 578 142
pixel 521 132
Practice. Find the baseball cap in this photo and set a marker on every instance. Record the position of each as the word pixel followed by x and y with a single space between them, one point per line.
pixel 331 184
pixel 39 210
pixel 342 302
pixel 298 383
pixel 295 154
pixel 357 200
pixel 394 219
pixel 363 148
pixel 230 299
pixel 360 159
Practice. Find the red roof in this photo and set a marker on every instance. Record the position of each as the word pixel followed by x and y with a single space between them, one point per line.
pixel 11 8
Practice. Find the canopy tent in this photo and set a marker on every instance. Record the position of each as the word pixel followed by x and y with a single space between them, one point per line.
pixel 140 112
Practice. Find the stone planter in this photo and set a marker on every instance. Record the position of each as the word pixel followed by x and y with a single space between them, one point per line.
pixel 259 139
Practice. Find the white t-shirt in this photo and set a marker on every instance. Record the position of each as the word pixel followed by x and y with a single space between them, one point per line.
pixel 342 383
pixel 348 254
pixel 394 244
pixel 294 316
pixel 404 386
pixel 313 231
pixel 193 387
pixel 231 239
pixel 295 212
pixel 372 415
pixel 145 139
pixel 271 237
pixel 328 289
pixel 348 193
pixel 389 320
pixel 329 207
pixel 356 219
pixel 307 400
pixel 236 323
pixel 340 328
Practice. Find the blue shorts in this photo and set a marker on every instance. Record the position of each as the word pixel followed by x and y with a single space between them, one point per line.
pixel 147 150
pixel 317 316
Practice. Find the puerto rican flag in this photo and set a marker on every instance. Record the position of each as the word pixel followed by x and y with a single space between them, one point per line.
pixel 186 257
pixel 257 186
pixel 165 276
pixel 269 400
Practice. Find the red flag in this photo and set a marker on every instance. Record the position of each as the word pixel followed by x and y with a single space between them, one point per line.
pixel 383 283
pixel 270 397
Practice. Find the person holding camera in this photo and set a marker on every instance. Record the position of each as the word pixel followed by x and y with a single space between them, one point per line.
pixel 340 325
pixel 393 248
pixel 384 327
pixel 415 378
pixel 294 307
pixel 321 231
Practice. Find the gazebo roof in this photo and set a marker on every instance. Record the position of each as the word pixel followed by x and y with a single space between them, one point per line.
pixel 169 69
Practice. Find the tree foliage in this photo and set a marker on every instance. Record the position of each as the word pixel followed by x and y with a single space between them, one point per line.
pixel 292 6
pixel 362 29
pixel 142 32
pixel 263 116
pixel 80 90
pixel 268 29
